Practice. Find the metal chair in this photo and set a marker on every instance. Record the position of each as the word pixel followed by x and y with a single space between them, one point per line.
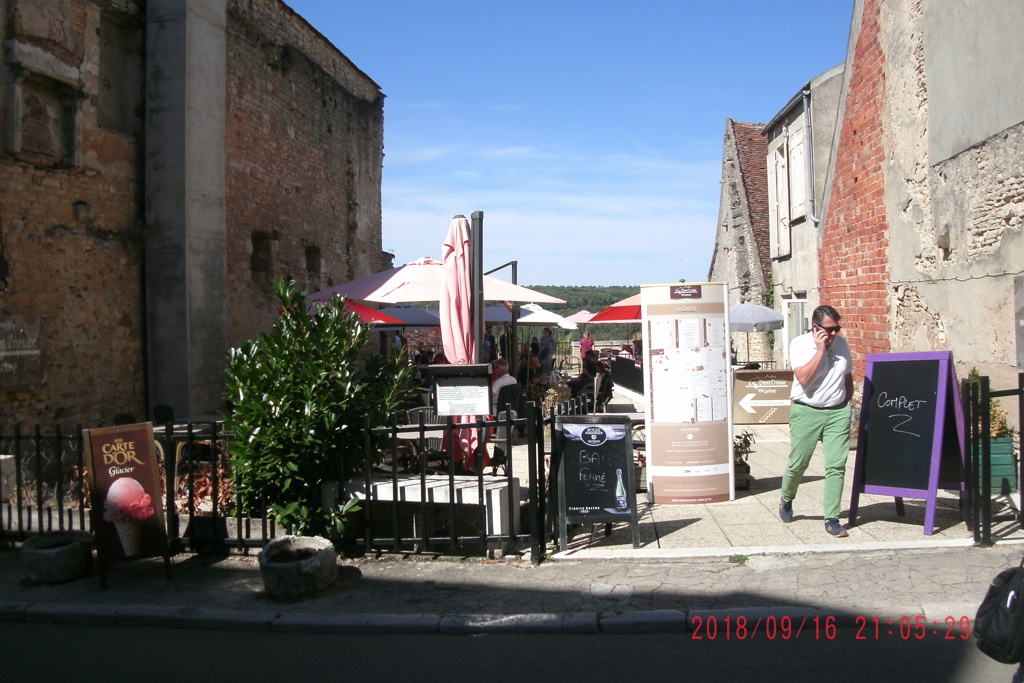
pixel 431 448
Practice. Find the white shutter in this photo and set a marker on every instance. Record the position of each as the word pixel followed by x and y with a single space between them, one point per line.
pixel 778 200
pixel 797 175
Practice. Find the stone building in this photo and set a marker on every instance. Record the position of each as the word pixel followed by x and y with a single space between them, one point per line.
pixel 741 242
pixel 918 186
pixel 162 163
pixel 921 237
pixel 796 187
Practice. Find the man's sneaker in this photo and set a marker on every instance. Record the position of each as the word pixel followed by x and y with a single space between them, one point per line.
pixel 835 528
pixel 786 511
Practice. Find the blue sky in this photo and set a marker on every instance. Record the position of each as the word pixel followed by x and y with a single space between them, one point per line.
pixel 589 133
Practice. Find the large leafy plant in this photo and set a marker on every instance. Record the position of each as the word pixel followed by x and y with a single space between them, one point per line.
pixel 300 395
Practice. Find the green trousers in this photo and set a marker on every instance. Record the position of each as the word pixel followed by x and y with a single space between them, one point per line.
pixel 808 426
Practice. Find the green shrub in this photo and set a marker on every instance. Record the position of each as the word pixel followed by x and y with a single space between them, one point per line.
pixel 300 394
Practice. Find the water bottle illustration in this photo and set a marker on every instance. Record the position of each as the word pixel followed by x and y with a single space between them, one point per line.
pixel 621 503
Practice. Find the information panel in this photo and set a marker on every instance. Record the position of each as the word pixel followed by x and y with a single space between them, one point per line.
pixel 689 393
pixel 911 437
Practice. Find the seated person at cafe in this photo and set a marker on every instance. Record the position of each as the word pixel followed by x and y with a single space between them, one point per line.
pixel 532 373
pixel 587 374
pixel 499 379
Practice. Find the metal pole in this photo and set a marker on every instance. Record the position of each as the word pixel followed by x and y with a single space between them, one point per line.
pixel 477 239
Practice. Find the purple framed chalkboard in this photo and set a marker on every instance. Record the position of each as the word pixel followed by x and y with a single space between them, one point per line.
pixel 911 436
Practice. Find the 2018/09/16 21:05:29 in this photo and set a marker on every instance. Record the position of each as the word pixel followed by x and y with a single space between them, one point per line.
pixel 826 628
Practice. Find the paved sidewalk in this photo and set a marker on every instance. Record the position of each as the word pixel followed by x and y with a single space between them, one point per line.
pixel 725 559
pixel 513 595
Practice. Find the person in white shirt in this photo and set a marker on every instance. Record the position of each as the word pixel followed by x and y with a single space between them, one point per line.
pixel 822 386
pixel 499 378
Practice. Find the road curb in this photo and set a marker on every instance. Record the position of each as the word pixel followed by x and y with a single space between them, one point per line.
pixel 708 624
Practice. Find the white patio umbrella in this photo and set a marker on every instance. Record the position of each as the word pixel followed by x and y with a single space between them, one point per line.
pixel 754 318
pixel 580 317
pixel 422 280
pixel 529 314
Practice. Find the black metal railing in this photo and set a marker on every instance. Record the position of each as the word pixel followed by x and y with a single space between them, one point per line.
pixel 977 398
pixel 628 373
pixel 45 487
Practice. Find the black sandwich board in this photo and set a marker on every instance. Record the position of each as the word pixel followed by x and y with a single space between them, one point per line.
pixel 596 479
pixel 911 437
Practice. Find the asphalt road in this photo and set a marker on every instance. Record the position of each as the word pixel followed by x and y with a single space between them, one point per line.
pixel 39 653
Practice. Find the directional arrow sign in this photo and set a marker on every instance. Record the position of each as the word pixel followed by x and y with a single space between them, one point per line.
pixel 748 403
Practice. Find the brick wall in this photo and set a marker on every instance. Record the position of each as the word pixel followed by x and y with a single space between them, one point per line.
pixel 853 261
pixel 304 157
pixel 71 232
pixel 305 151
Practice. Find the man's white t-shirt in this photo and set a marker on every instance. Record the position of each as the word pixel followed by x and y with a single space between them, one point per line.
pixel 828 388
pixel 496 386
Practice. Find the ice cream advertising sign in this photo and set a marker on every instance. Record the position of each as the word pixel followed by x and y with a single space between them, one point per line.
pixel 124 480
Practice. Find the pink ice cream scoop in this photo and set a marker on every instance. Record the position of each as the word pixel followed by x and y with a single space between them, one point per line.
pixel 127 502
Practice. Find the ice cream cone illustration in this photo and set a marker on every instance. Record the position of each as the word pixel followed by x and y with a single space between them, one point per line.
pixel 127 504
pixel 130 534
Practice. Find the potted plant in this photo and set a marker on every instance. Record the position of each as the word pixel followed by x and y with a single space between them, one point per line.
pixel 742 444
pixel 300 395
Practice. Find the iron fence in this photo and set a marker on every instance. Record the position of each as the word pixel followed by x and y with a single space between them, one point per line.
pixel 977 507
pixel 414 498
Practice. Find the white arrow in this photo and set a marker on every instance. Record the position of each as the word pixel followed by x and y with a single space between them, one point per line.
pixel 748 403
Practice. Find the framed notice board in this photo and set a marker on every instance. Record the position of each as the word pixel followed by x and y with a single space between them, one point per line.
pixel 596 480
pixel 911 435
pixel 124 485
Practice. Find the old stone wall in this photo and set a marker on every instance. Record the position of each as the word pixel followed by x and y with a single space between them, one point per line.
pixel 305 152
pixel 854 267
pixel 741 225
pixel 954 224
pixel 70 216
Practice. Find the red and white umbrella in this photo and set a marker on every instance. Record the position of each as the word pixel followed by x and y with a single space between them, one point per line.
pixel 625 311
pixel 422 280
pixel 365 313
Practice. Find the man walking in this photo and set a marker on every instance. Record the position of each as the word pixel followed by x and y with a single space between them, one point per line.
pixel 822 386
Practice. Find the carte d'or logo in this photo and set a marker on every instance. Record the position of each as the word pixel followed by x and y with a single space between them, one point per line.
pixel 120 452
pixel 593 436
pixel 685 292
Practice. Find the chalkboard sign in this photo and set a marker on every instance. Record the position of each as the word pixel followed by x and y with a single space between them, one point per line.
pixel 910 439
pixel 596 480
pixel 902 423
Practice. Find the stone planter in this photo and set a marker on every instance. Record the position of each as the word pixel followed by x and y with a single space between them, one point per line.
pixel 295 566
pixel 57 557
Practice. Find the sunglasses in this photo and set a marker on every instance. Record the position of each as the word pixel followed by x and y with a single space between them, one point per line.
pixel 830 330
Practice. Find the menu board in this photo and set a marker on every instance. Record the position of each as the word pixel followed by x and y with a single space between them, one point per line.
pixel 689 393
pixel 594 460
pixel 910 441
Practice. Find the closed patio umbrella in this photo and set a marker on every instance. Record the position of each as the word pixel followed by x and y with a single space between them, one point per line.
pixel 455 311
